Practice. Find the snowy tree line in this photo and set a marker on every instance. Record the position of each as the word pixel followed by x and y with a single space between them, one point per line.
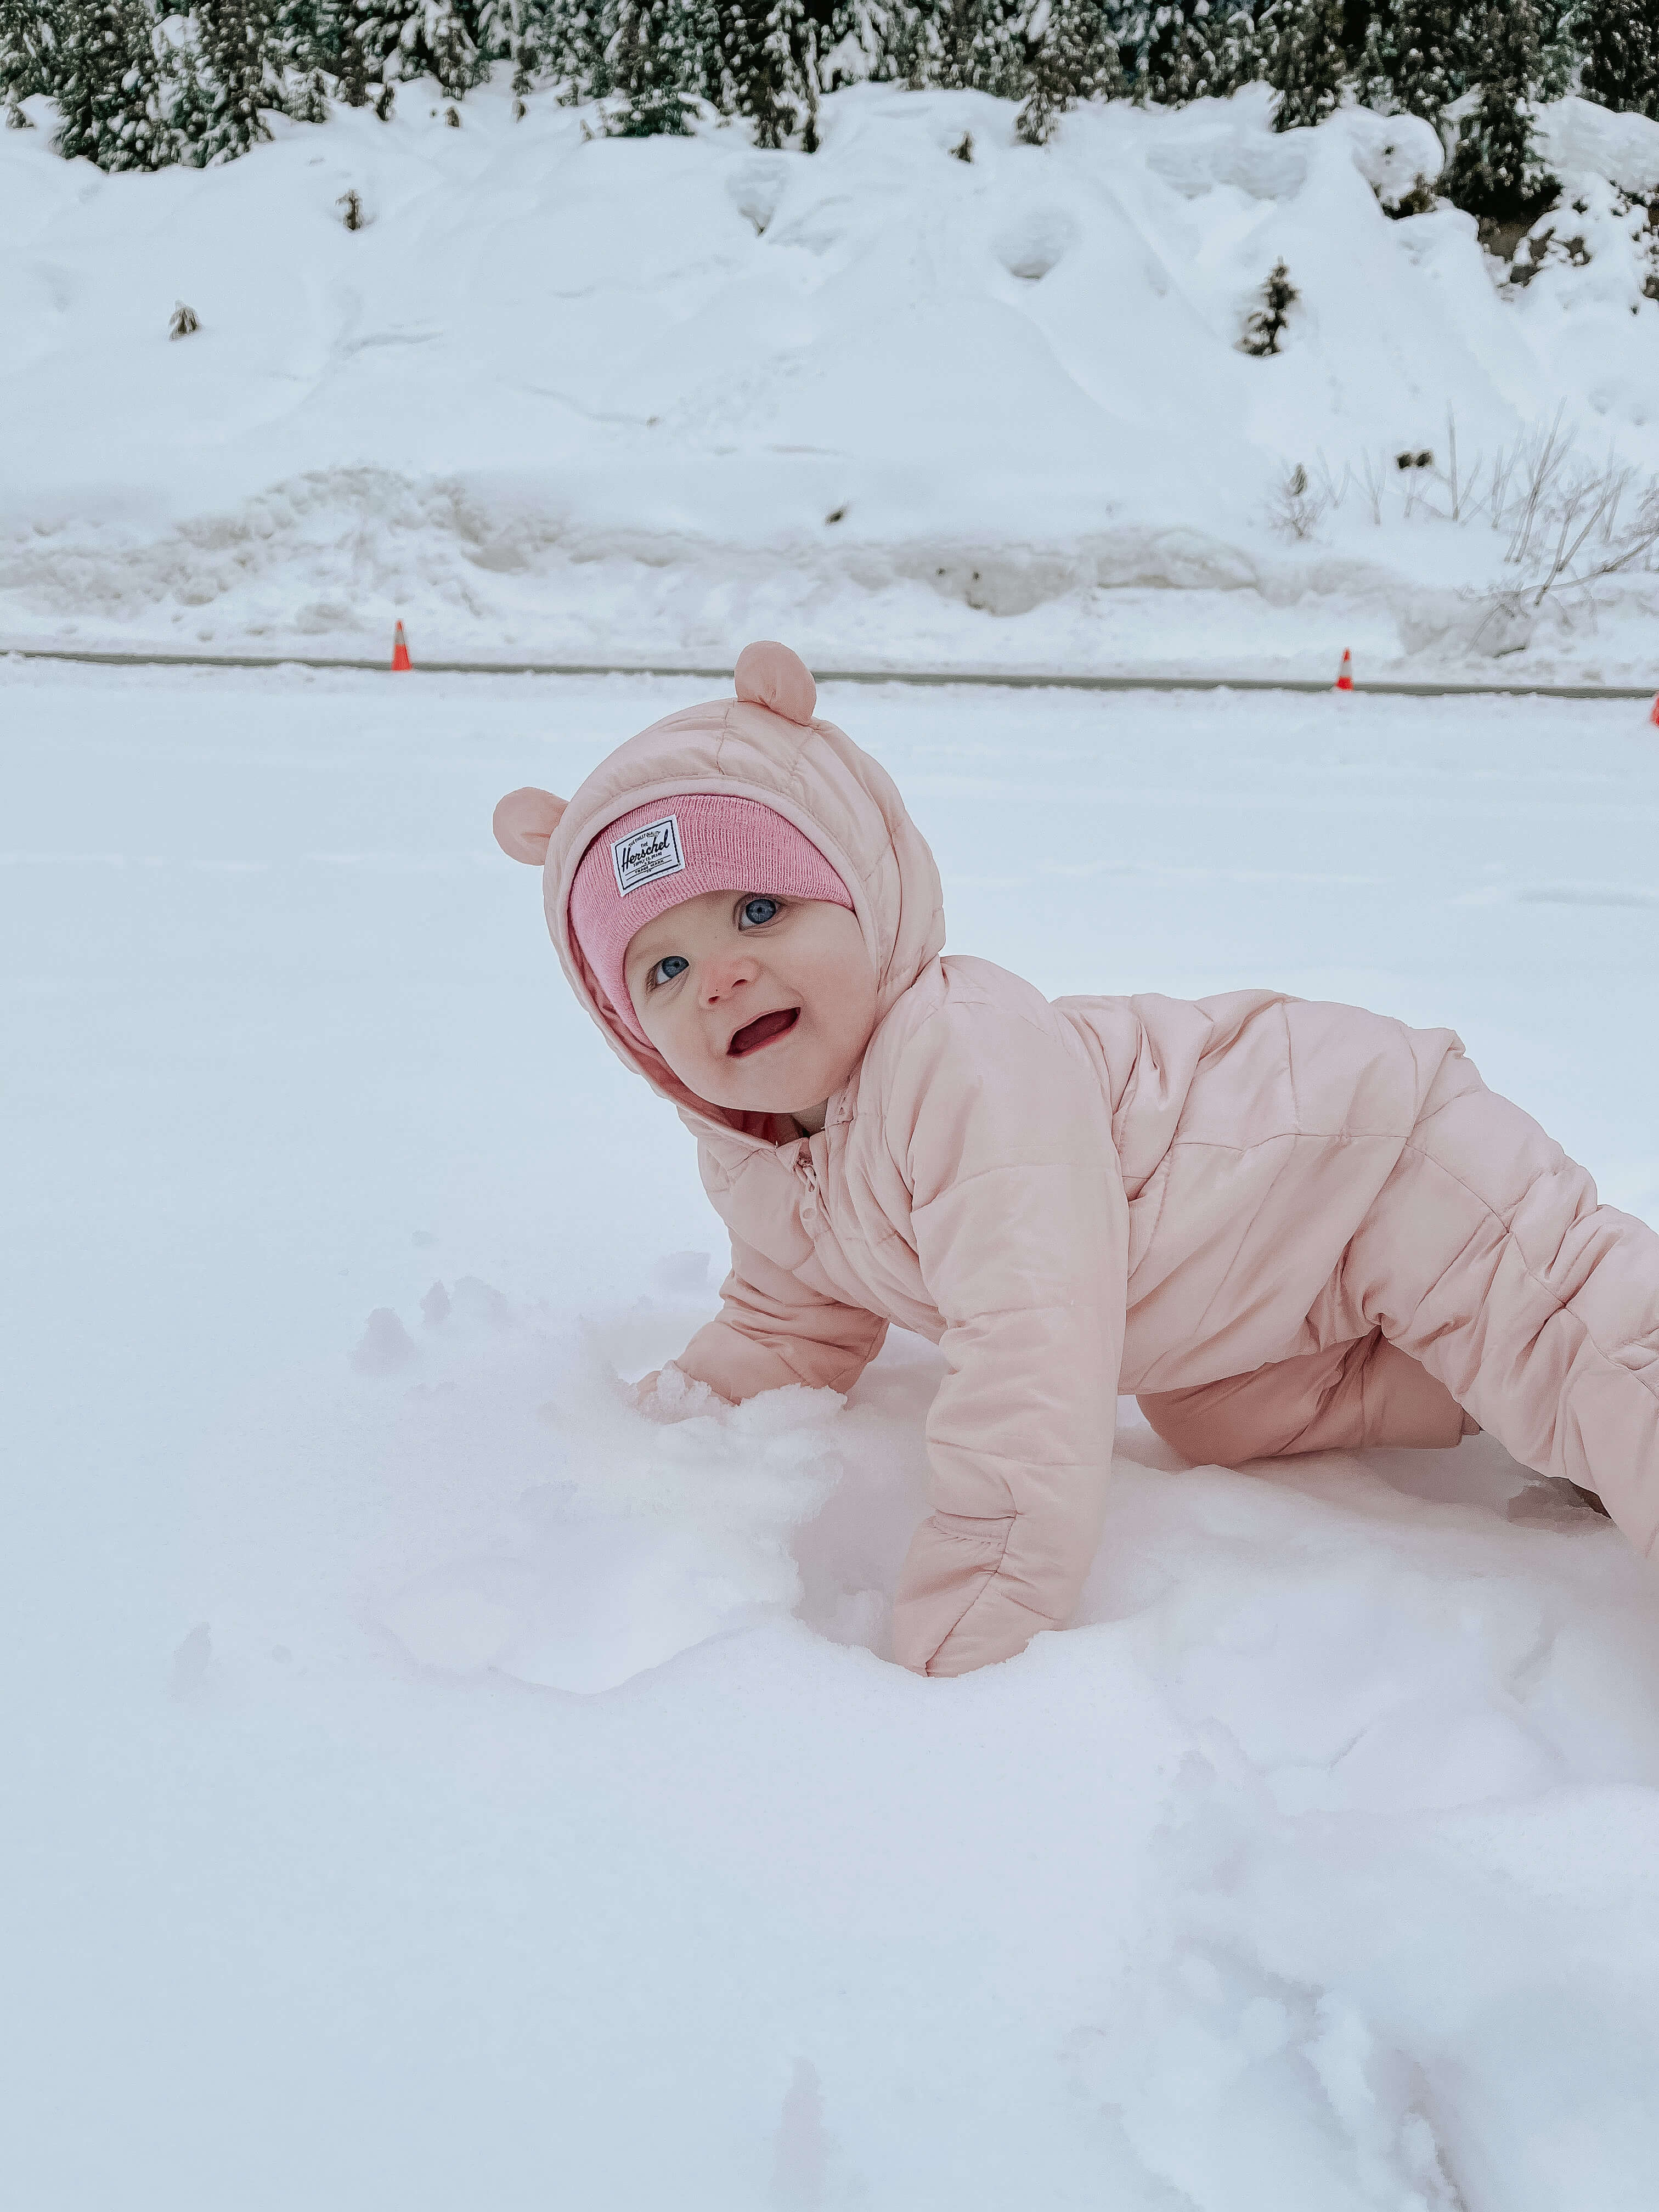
pixel 137 88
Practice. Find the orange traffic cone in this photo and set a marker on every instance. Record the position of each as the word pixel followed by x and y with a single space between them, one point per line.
pixel 1654 716
pixel 399 651
pixel 1345 674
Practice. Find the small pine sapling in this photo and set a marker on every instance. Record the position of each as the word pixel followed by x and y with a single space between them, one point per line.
pixel 1421 199
pixel 183 321
pixel 1266 324
pixel 1297 505
pixel 964 148
pixel 384 105
pixel 353 217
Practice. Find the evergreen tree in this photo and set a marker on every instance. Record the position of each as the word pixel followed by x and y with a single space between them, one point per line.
pixel 29 56
pixel 1265 325
pixel 769 61
pixel 420 38
pixel 1076 57
pixel 515 31
pixel 1417 57
pixel 1557 49
pixel 232 77
pixel 305 56
pixel 1494 170
pixel 650 64
pixel 343 48
pixel 902 41
pixel 1179 50
pixel 1619 42
pixel 1299 52
pixel 980 45
pixel 108 87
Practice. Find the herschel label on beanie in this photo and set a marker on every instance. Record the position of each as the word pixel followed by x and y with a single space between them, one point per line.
pixel 645 854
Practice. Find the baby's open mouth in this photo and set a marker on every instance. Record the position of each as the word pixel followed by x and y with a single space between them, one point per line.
pixel 753 1034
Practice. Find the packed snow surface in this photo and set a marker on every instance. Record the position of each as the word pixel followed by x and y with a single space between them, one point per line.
pixel 431 1783
pixel 602 399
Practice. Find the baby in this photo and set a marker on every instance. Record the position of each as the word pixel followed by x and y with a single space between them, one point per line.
pixel 1284 1226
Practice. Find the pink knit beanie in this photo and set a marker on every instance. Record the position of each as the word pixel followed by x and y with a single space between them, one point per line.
pixel 675 849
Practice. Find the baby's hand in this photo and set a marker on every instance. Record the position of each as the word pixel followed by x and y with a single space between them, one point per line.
pixel 669 1393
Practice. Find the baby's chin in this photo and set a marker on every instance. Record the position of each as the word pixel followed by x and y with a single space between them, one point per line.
pixel 794 1081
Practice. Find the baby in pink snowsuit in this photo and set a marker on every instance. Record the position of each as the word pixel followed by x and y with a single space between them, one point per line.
pixel 1284 1226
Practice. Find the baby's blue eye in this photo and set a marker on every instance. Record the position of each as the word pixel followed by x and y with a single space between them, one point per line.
pixel 667 968
pixel 756 912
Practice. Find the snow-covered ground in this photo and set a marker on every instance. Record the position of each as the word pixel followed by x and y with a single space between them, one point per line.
pixel 430 1784
pixel 623 399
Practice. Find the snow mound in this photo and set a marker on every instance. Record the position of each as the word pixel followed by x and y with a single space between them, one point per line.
pixel 602 398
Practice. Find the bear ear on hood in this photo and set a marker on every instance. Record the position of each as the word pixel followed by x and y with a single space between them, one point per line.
pixel 768 675
pixel 523 821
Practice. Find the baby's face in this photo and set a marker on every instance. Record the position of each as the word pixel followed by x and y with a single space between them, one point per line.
pixel 758 1003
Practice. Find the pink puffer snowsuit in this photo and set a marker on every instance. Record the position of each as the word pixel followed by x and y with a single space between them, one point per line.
pixel 1286 1226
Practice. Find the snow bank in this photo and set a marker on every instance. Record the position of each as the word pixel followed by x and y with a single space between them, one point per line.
pixel 617 398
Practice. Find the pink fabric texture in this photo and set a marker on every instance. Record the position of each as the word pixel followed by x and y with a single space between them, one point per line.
pixel 1355 1394
pixel 1142 1193
pixel 656 857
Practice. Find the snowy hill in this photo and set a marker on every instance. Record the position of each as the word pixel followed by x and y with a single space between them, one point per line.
pixel 583 399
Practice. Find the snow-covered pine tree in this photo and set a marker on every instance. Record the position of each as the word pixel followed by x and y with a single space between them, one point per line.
pixel 1557 62
pixel 897 42
pixel 1073 57
pixel 419 38
pixel 768 64
pixel 1265 325
pixel 980 45
pixel 1619 42
pixel 1299 47
pixel 1495 171
pixel 233 78
pixel 1417 57
pixel 650 63
pixel 512 31
pixel 300 41
pixel 29 56
pixel 570 37
pixel 1177 50
pixel 108 87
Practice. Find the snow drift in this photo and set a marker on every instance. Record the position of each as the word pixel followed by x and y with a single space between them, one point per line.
pixel 594 399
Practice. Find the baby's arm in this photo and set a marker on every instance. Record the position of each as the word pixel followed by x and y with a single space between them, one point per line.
pixel 772 1330
pixel 1021 1227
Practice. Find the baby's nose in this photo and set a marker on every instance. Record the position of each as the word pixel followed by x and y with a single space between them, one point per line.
pixel 722 977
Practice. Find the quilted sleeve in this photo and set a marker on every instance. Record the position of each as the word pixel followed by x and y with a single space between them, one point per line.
pixel 1021 1228
pixel 772 1330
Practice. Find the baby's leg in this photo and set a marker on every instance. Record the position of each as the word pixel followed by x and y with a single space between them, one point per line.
pixel 1350 1394
pixel 1488 1257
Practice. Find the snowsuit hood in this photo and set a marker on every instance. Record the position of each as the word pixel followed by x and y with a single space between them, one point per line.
pixel 765 744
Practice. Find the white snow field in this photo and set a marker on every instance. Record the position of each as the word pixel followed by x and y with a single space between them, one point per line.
pixel 431 1784
pixel 634 400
